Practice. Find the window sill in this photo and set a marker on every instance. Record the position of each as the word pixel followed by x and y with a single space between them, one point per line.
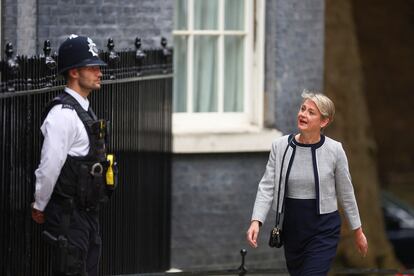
pixel 247 139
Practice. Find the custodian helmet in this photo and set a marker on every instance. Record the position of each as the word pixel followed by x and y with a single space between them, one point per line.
pixel 78 51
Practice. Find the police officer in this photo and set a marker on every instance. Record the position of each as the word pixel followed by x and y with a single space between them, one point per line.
pixel 70 180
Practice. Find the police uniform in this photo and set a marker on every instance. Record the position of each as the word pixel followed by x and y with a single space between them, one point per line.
pixel 64 134
pixel 70 180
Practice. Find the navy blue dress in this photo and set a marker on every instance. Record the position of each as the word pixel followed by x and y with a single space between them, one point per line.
pixel 310 240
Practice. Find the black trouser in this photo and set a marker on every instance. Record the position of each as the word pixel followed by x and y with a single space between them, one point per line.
pixel 81 229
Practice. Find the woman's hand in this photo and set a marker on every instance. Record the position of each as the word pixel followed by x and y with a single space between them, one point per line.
pixel 253 233
pixel 361 242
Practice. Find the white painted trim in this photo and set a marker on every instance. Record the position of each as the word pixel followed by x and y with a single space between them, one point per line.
pixel 208 122
pixel 208 32
pixel 242 140
pixel 220 52
pixel 249 70
pixel 259 64
pixel 190 57
pixel 229 132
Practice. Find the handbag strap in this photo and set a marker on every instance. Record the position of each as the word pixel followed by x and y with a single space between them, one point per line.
pixel 280 180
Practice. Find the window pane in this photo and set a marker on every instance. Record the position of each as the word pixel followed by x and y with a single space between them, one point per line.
pixel 234 15
pixel 233 74
pixel 180 15
pixel 205 14
pixel 180 74
pixel 205 74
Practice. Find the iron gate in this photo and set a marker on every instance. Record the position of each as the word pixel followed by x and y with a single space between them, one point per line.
pixel 136 96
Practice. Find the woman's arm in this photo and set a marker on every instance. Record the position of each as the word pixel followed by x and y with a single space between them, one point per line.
pixel 266 189
pixel 346 196
pixel 264 199
pixel 345 190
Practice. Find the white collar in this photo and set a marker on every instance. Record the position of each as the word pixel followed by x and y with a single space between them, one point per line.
pixel 84 102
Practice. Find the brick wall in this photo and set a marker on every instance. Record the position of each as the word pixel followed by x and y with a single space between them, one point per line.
pixel 294 57
pixel 9 22
pixel 123 20
pixel 213 197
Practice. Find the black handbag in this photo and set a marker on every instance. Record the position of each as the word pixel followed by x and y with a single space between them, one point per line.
pixel 276 237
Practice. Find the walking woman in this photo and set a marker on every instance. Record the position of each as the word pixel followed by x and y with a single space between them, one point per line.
pixel 314 175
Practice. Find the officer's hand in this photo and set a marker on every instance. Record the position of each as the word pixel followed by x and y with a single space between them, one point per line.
pixel 37 215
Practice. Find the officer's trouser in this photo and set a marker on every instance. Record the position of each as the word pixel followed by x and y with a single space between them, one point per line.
pixel 82 234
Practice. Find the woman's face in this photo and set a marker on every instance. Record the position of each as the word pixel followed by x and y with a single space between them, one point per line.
pixel 310 118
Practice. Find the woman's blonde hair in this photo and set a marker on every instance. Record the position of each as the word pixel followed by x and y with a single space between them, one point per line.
pixel 324 104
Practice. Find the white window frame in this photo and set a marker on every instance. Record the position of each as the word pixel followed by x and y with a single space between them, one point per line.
pixel 228 132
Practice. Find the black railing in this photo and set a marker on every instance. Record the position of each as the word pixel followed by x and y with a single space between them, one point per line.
pixel 136 96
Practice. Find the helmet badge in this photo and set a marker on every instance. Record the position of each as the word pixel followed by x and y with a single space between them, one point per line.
pixel 92 47
pixel 73 36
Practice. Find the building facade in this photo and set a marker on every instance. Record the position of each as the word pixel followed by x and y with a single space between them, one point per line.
pixel 242 66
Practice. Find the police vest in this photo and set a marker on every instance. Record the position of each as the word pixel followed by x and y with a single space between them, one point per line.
pixel 82 178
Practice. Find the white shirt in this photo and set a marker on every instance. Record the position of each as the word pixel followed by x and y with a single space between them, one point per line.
pixel 64 134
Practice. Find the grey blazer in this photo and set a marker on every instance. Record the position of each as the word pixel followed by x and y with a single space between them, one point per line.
pixel 333 180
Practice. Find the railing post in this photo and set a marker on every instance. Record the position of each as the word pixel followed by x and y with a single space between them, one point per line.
pixel 113 56
pixel 49 62
pixel 166 53
pixel 139 52
pixel 139 55
pixel 165 50
pixel 242 268
pixel 12 67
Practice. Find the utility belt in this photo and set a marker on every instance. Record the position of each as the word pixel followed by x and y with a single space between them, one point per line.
pixel 88 183
pixel 97 180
